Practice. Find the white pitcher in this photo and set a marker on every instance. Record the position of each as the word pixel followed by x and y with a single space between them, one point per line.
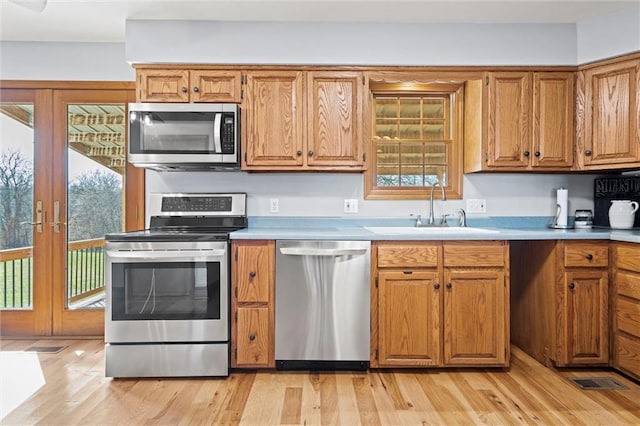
pixel 622 214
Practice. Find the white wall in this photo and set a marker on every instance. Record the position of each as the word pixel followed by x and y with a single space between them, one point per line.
pixel 349 43
pixel 609 35
pixel 64 61
pixel 323 194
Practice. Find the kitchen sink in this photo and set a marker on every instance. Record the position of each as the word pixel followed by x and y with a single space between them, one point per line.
pixel 428 230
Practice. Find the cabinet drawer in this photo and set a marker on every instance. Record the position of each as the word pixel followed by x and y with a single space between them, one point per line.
pixel 628 284
pixel 255 271
pixel 408 255
pixel 628 257
pixel 469 254
pixel 628 355
pixel 628 316
pixel 586 255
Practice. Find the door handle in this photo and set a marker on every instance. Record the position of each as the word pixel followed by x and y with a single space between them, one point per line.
pixel 38 222
pixel 56 217
pixel 322 252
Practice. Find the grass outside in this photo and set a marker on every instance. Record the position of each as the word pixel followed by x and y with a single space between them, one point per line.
pixel 85 272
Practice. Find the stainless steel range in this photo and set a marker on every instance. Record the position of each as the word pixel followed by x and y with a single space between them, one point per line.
pixel 167 310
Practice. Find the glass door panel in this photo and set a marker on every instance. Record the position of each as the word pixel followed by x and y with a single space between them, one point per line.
pixel 24 300
pixel 88 203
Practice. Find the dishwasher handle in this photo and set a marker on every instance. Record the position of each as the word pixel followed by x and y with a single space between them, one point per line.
pixel 308 251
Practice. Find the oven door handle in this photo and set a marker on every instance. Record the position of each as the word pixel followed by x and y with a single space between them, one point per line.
pixel 177 254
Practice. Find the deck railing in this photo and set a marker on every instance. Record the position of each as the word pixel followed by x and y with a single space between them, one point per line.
pixel 85 273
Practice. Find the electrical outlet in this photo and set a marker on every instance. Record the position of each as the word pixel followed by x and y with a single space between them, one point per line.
pixel 274 205
pixel 476 206
pixel 351 206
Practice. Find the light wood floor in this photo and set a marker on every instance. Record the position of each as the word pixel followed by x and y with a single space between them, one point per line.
pixel 74 391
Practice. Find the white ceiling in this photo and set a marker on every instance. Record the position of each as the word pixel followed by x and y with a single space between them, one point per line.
pixel 104 20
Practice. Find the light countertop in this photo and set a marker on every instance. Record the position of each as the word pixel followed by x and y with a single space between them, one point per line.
pixel 296 228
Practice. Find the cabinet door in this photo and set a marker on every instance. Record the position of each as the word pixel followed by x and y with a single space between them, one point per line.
pixel 162 85
pixel 475 312
pixel 334 119
pixel 273 117
pixel 611 123
pixel 553 129
pixel 215 86
pixel 587 329
pixel 253 337
pixel 255 270
pixel 409 318
pixel 508 132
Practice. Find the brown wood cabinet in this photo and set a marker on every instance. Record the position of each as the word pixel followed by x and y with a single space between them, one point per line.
pixel 428 311
pixel 181 85
pixel 559 301
pixel 517 121
pixel 626 308
pixel 608 106
pixel 252 304
pixel 296 120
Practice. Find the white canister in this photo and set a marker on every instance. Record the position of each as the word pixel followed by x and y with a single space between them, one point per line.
pixel 622 214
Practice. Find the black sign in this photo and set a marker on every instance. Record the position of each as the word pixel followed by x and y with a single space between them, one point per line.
pixel 610 188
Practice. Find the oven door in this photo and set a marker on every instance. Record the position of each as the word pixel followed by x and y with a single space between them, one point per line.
pixel 167 292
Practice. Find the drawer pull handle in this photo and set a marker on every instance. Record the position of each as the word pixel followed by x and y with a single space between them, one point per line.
pixel 196 89
pixel 252 337
pixel 252 274
pixel 527 153
pixel 588 152
pixel 589 257
pixel 184 89
pixel 448 285
pixel 436 286
pixel 572 286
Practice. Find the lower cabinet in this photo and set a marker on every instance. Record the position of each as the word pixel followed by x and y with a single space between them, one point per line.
pixel 626 308
pixel 440 304
pixel 252 304
pixel 560 301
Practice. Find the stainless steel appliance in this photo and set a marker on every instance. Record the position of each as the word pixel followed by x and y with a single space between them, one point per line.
pixel 167 288
pixel 322 304
pixel 175 136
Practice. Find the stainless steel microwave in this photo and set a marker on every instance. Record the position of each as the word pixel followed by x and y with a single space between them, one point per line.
pixel 173 136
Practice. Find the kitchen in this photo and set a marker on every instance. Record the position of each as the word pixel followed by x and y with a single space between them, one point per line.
pixel 324 193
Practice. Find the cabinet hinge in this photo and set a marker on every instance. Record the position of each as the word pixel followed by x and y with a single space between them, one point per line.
pixel 236 294
pixel 376 354
pixel 486 157
pixel 363 80
pixel 376 282
pixel 236 254
pixel 243 79
pixel 364 157
pixel 486 81
pixel 241 93
pixel 235 314
pixel 235 354
pixel 245 157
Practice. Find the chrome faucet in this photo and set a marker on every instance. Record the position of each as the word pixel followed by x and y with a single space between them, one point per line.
pixel 431 220
pixel 463 218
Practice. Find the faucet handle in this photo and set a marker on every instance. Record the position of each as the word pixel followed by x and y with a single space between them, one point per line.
pixel 444 219
pixel 418 219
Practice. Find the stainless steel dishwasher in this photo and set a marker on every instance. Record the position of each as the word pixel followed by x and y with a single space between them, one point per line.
pixel 322 304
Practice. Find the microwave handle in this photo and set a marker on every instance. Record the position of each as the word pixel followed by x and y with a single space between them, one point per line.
pixel 217 123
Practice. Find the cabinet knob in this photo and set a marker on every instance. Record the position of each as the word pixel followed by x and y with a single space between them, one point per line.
pixel 436 286
pixel 310 153
pixel 448 285
pixel 587 152
pixel 252 337
pixel 299 152
pixel 252 274
pixel 589 257
pixel 572 286
pixel 527 153
pixel 537 154
pixel 196 89
pixel 184 89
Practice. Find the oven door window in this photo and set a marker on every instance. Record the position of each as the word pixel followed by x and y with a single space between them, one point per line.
pixel 166 291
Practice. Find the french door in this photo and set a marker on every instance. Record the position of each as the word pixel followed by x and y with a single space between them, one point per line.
pixel 63 160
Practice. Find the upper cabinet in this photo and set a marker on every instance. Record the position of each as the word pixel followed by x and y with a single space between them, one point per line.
pixel 295 120
pixel 518 121
pixel 180 85
pixel 608 126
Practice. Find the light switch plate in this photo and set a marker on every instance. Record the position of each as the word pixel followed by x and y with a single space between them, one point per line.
pixel 351 206
pixel 475 205
pixel 274 205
